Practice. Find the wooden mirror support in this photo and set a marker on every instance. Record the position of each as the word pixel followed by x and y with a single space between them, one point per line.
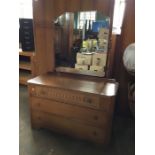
pixel 45 12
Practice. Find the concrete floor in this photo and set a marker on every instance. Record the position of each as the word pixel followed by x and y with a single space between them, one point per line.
pixel 45 142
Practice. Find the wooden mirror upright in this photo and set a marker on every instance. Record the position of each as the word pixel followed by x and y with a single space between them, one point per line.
pixel 45 12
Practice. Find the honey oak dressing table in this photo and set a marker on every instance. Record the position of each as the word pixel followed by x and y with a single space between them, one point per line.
pixel 78 105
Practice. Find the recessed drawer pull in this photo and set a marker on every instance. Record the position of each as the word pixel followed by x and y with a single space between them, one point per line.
pixel 88 100
pixel 43 92
pixel 95 117
pixel 32 89
pixel 38 104
pixel 95 133
pixel 39 118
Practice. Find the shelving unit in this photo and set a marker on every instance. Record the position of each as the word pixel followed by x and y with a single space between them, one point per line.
pixel 25 66
pixel 24 76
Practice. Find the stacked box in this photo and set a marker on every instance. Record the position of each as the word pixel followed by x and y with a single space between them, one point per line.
pixel 99 59
pixel 103 33
pixel 83 61
pixel 93 62
pixel 81 67
pixel 103 44
pixel 96 68
pixel 98 62
pixel 103 38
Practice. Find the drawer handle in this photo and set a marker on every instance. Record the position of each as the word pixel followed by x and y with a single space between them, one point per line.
pixel 38 104
pixel 43 92
pixel 39 118
pixel 88 100
pixel 33 89
pixel 95 133
pixel 95 117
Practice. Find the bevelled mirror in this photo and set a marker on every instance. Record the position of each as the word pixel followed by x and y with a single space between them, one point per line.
pixel 81 42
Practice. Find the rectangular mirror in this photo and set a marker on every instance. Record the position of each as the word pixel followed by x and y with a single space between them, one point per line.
pixel 81 42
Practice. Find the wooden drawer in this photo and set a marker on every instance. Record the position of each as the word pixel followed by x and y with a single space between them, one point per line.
pixel 70 127
pixel 66 96
pixel 83 115
pixel 73 105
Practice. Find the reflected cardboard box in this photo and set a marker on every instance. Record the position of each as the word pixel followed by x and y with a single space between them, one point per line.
pixel 81 67
pixel 99 59
pixel 96 68
pixel 103 33
pixel 84 59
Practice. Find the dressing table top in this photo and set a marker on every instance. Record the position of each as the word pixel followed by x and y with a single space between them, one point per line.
pixel 97 86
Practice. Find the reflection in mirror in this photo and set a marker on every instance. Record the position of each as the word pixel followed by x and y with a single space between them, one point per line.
pixel 81 41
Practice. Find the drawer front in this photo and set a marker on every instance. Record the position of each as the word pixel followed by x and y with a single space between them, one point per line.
pixel 66 96
pixel 28 38
pixel 24 22
pixel 83 115
pixel 70 127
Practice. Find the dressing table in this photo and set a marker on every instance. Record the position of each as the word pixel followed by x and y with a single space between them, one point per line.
pixel 69 101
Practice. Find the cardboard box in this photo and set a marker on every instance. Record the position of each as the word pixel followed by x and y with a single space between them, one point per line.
pixel 103 33
pixel 81 61
pixel 99 59
pixel 103 44
pixel 81 67
pixel 96 68
pixel 84 59
pixel 103 37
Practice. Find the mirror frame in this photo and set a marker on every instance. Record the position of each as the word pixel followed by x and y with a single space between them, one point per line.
pixel 46 10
